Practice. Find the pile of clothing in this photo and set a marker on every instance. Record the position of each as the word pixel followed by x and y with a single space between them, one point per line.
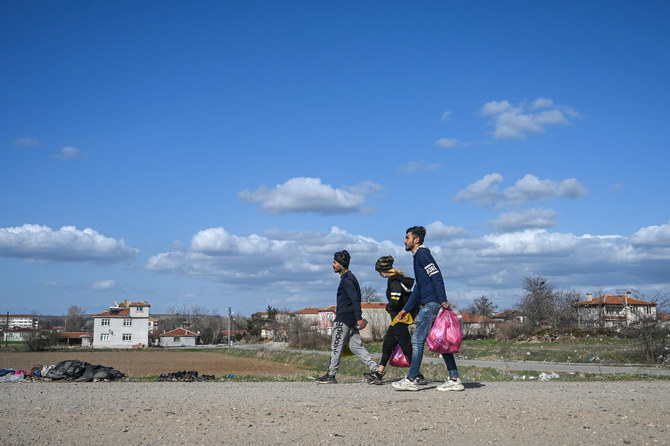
pixel 11 375
pixel 184 376
pixel 75 370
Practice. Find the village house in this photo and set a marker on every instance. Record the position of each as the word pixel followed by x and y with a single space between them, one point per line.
pixel 474 325
pixel 613 311
pixel 374 312
pixel 124 325
pixel 508 316
pixel 179 337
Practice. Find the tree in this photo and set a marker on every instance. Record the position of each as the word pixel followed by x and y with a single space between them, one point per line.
pixel 537 304
pixel 482 306
pixel 369 294
pixel 75 318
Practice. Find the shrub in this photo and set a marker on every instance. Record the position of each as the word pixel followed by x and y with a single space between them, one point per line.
pixel 510 330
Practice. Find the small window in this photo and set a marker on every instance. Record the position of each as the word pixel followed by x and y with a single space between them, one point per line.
pixel 104 337
pixel 104 322
pixel 176 340
pixel 140 308
pixel 127 322
pixel 330 316
pixel 127 337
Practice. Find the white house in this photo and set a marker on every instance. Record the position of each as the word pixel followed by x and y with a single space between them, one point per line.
pixel 19 321
pixel 613 311
pixel 124 325
pixel 179 337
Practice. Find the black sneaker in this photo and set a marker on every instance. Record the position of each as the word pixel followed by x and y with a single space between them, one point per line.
pixel 327 379
pixel 375 377
pixel 421 380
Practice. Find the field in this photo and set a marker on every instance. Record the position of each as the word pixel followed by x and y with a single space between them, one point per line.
pixel 139 363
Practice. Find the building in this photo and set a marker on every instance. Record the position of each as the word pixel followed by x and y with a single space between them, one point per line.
pixel 124 325
pixel 508 316
pixel 374 312
pixel 474 325
pixel 613 310
pixel 19 321
pixel 179 337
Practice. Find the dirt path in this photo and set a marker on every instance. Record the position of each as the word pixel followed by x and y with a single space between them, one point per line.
pixel 230 413
pixel 155 362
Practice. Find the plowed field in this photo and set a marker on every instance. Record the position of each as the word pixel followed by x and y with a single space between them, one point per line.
pixel 154 362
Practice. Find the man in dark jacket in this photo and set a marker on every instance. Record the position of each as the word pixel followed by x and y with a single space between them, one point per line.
pixel 430 295
pixel 348 320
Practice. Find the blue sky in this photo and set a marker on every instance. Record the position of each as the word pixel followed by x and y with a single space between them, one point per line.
pixel 217 154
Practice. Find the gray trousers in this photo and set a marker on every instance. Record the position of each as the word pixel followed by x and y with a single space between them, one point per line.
pixel 342 335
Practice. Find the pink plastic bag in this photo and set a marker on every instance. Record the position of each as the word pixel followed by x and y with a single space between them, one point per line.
pixel 446 334
pixel 398 358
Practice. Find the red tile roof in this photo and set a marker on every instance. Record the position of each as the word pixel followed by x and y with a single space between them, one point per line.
pixel 373 305
pixel 180 332
pixel 473 318
pixel 613 299
pixel 123 312
pixel 307 311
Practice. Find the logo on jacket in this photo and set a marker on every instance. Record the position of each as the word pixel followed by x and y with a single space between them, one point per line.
pixel 431 269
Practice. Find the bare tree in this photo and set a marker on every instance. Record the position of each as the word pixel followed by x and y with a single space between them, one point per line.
pixel 369 294
pixel 537 304
pixel 74 320
pixel 482 306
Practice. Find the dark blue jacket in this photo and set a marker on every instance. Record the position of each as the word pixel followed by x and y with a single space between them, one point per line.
pixel 429 282
pixel 348 300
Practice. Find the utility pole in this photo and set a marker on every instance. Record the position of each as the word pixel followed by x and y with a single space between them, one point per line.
pixel 229 336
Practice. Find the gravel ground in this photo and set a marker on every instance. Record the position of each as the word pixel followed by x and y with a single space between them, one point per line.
pixel 505 413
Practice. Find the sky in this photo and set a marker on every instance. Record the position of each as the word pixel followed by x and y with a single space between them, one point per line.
pixel 216 154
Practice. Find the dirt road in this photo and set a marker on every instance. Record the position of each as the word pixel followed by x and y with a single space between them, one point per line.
pixel 509 413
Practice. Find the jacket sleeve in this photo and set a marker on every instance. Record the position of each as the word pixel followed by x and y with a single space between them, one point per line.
pixel 434 275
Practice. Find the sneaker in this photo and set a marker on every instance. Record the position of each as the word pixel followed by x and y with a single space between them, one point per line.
pixel 406 384
pixel 451 384
pixel 327 379
pixel 421 380
pixel 375 377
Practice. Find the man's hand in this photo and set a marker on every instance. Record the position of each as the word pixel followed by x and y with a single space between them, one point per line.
pixel 401 315
pixel 361 324
pixel 446 305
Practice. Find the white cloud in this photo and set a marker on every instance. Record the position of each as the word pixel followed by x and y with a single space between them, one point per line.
pixel 298 264
pixel 528 189
pixel 26 142
pixel 305 194
pixel 415 166
pixel 105 285
pixel 652 236
pixel 517 121
pixel 68 152
pixel 527 219
pixel 41 243
pixel 445 115
pixel 447 143
pixel 439 231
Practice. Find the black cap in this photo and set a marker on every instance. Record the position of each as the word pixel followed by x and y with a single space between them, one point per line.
pixel 384 264
pixel 343 258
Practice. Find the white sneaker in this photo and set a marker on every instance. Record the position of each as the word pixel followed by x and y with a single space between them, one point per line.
pixel 451 385
pixel 406 384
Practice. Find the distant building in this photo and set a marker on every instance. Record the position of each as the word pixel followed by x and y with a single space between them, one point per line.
pixel 508 316
pixel 179 337
pixel 124 325
pixel 474 325
pixel 613 310
pixel 19 321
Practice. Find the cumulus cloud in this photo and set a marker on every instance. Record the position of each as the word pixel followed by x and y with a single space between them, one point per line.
pixel 28 141
pixel 415 166
pixel 517 121
pixel 304 194
pixel 526 219
pixel 437 231
pixel 652 236
pixel 41 243
pixel 298 264
pixel 528 189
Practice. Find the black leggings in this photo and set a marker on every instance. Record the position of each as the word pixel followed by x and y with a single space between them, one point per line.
pixel 396 334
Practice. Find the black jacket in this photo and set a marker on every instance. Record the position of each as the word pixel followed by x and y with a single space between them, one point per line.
pixel 398 290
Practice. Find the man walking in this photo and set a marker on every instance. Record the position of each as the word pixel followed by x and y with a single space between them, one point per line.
pixel 429 294
pixel 348 320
